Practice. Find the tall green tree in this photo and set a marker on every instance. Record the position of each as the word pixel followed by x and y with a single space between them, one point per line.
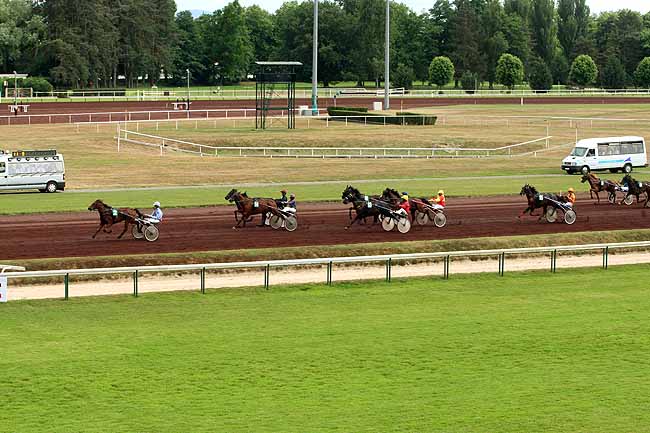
pixel 544 28
pixel 466 54
pixel 567 26
pixel 509 71
pixel 583 71
pixel 493 41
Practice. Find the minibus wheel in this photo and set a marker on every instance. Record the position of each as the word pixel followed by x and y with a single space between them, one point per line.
pixel 51 187
pixel 627 168
pixel 585 170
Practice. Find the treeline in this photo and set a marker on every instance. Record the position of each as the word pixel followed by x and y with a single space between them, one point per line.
pixel 96 42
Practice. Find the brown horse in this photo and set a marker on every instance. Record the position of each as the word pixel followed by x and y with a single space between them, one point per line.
pixel 247 207
pixel 599 185
pixel 109 216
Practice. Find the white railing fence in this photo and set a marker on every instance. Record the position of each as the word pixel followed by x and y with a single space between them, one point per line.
pixel 388 259
pixel 305 93
pixel 125 136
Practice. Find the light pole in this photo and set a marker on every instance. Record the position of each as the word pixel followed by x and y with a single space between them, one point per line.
pixel 314 74
pixel 387 60
pixel 15 90
pixel 188 89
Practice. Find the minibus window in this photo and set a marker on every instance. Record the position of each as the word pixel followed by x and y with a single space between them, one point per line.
pixel 603 149
pixel 2 167
pixel 579 151
pixel 592 152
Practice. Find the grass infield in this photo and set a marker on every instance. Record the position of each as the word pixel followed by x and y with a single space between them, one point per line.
pixel 480 353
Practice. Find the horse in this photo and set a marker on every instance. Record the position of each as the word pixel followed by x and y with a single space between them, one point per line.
pixel 109 216
pixel 247 207
pixel 416 204
pixel 636 188
pixel 353 196
pixel 598 185
pixel 537 200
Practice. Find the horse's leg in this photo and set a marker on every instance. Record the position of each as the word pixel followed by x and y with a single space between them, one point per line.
pixel 126 227
pixel 356 219
pixel 597 197
pixel 524 212
pixel 101 226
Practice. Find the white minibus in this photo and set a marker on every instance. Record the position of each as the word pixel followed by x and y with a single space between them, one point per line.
pixel 612 153
pixel 43 170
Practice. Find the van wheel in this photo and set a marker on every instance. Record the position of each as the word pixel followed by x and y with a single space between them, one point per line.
pixel 584 170
pixel 627 168
pixel 51 187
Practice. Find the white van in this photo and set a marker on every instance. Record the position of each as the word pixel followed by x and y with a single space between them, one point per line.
pixel 32 169
pixel 612 153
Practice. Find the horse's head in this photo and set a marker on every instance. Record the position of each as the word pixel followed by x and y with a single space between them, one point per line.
pixel 230 195
pixel 585 177
pixel 528 190
pixel 96 205
pixel 390 194
pixel 349 194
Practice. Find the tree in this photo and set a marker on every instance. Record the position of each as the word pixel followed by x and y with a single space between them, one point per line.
pixel 493 40
pixel 441 71
pixel 465 39
pixel 509 71
pixel 567 28
pixel 613 74
pixel 583 71
pixel 642 73
pixel 559 67
pixel 403 76
pixel 539 77
pixel 544 29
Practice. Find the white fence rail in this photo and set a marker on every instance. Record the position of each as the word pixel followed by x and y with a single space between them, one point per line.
pixel 175 145
pixel 389 260
pixel 249 93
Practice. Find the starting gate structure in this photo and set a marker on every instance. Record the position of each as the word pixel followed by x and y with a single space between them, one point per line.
pixel 271 78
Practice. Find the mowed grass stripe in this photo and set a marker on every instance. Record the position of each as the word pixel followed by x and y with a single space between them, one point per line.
pixel 23 203
pixel 526 352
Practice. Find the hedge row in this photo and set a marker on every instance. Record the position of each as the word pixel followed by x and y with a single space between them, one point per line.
pixel 400 119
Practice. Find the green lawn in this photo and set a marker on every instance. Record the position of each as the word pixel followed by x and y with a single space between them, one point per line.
pixel 527 352
pixel 28 202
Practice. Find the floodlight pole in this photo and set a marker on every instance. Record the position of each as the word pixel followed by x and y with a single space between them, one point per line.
pixel 387 60
pixel 15 90
pixel 188 89
pixel 314 74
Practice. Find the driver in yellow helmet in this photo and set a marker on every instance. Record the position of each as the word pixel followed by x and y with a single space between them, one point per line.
pixel 439 199
pixel 571 197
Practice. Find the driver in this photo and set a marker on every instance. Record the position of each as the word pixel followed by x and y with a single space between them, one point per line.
pixel 157 213
pixel 571 197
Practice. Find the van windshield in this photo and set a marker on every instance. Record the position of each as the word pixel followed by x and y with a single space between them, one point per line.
pixel 579 151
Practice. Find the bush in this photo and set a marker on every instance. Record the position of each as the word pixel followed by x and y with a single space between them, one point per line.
pixel 642 73
pixel 38 84
pixel 380 119
pixel 468 81
pixel 583 71
pixel 540 77
pixel 403 76
pixel 98 92
pixel 613 75
pixel 441 71
pixel 510 70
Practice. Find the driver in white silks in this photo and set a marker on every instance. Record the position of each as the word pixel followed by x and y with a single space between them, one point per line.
pixel 157 213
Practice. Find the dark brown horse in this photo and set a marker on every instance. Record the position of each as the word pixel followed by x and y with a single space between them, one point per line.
pixel 109 216
pixel 247 207
pixel 636 188
pixel 599 185
pixel 361 206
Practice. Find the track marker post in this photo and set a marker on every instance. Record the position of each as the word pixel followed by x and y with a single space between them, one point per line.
pixel 605 257
pixel 389 265
pixel 135 283
pixel 329 273
pixel 66 284
pixel 203 280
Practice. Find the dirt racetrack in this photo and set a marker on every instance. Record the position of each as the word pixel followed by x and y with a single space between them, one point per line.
pixel 70 112
pixel 210 229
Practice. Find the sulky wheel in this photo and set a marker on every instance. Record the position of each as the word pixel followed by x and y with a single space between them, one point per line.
pixel 404 225
pixel 612 198
pixel 570 216
pixel 628 200
pixel 421 218
pixel 440 219
pixel 388 224
pixel 551 214
pixel 290 223
pixel 275 222
pixel 151 233
pixel 137 232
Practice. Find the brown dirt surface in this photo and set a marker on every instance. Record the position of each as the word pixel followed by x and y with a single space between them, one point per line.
pixel 211 229
pixel 79 111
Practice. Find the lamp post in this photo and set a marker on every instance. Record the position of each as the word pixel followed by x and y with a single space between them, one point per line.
pixel 188 89
pixel 387 60
pixel 314 75
pixel 15 90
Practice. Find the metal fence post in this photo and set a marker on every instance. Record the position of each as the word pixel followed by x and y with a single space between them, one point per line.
pixel 135 284
pixel 267 276
pixel 329 273
pixel 554 261
pixel 446 263
pixel 502 264
pixel 389 265
pixel 66 283
pixel 605 257
pixel 203 280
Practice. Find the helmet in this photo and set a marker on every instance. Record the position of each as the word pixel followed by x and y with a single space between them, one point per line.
pixel 284 191
pixel 441 192
pixel 156 204
pixel 292 196
pixel 405 193
pixel 405 197
pixel 571 190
